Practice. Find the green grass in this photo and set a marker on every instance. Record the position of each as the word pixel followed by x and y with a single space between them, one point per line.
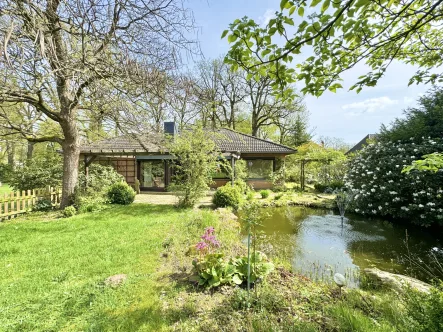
pixel 53 270
pixel 5 189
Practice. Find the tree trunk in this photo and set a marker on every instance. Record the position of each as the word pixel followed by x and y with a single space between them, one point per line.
pixel 30 150
pixel 71 156
pixel 254 125
pixel 10 147
pixel 232 116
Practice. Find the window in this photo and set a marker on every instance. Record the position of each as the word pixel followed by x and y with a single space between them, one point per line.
pixel 260 168
pixel 152 174
pixel 221 172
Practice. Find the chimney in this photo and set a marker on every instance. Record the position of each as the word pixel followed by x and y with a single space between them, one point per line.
pixel 170 128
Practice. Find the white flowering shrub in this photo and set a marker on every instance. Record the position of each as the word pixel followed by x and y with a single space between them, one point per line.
pixel 381 189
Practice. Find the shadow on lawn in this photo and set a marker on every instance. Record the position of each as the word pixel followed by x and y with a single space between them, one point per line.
pixel 137 209
pixel 151 319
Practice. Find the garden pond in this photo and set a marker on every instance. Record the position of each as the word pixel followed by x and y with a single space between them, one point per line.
pixel 318 245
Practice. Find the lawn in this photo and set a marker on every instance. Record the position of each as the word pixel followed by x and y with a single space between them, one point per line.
pixel 53 273
pixel 53 269
pixel 5 189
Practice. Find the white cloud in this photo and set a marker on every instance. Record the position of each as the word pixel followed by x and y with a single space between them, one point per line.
pixel 266 17
pixel 369 105
pixel 408 100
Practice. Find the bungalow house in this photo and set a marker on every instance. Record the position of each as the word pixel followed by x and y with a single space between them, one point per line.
pixel 145 157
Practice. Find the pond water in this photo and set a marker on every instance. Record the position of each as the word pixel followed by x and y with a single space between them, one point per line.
pixel 318 245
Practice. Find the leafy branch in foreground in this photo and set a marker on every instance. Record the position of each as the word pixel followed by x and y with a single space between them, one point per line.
pixel 432 162
pixel 196 159
pixel 340 34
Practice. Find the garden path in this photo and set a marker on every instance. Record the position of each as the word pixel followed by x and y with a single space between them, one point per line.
pixel 162 198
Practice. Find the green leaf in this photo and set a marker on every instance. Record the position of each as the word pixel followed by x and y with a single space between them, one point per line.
pixel 236 279
pixel 292 10
pixel 283 4
pixel 265 52
pixel 232 38
pixel 301 11
pixel 289 21
pixel 325 6
pixel 224 34
pixel 315 3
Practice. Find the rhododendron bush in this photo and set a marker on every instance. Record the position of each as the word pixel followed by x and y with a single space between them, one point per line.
pixel 382 190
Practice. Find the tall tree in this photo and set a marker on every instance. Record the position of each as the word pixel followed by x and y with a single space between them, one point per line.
pixel 267 108
pixel 340 34
pixel 208 91
pixel 54 51
pixel 293 129
pixel 420 122
pixel 233 93
pixel 181 99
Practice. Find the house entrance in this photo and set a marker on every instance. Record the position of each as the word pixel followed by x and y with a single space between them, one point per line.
pixel 152 174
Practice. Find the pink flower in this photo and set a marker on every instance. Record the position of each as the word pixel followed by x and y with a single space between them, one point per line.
pixel 210 230
pixel 201 246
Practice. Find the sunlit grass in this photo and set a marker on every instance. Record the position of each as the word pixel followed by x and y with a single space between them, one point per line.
pixel 53 270
pixel 5 189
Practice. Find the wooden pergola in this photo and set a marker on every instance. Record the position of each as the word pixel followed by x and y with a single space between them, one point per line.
pixel 305 161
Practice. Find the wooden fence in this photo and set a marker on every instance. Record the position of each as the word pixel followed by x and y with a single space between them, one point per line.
pixel 19 202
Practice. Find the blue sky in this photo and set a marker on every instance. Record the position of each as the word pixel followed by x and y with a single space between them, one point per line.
pixel 344 114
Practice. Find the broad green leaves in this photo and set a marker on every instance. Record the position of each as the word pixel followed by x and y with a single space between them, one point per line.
pixel 339 35
pixel 301 11
pixel 432 162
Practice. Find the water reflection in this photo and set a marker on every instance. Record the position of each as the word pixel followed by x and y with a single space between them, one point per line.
pixel 318 245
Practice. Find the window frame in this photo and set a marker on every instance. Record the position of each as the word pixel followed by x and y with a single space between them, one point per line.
pixel 260 158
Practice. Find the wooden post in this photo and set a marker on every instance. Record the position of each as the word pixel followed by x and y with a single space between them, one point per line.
pixel 48 193
pixel 86 171
pixel 233 169
pixel 302 175
pixel 6 206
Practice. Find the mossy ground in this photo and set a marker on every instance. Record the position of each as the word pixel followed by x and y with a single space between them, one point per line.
pixel 308 199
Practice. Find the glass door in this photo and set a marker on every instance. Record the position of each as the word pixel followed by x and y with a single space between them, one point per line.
pixel 152 174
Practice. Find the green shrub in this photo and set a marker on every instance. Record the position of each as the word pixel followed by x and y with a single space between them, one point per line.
pixel 42 204
pixel 92 193
pixel 382 190
pixel 260 267
pixel 329 187
pixel 90 203
pixel 425 310
pixel 37 173
pixel 278 196
pixel 242 186
pixel 69 211
pixel 227 195
pixel 250 196
pixel 100 179
pixel 213 271
pixel 121 193
pixel 5 172
pixel 264 193
pixel 196 159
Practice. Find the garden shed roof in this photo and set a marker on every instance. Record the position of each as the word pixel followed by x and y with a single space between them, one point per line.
pixel 227 140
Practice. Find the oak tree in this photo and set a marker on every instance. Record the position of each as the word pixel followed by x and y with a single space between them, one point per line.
pixel 55 53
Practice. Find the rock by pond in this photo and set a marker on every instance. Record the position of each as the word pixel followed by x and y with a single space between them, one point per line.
pixel 397 281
